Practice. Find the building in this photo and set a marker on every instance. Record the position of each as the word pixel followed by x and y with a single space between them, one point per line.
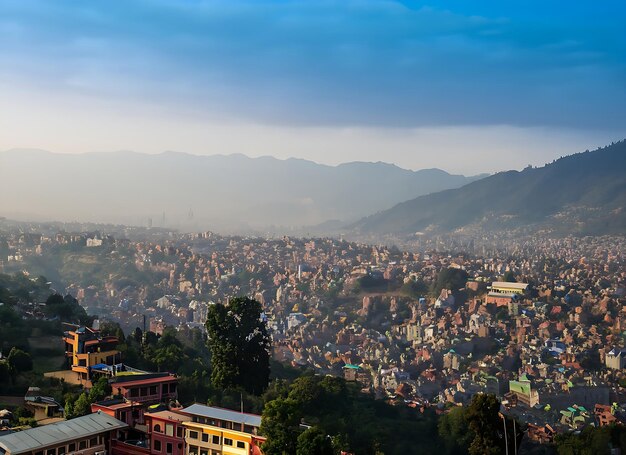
pixel 45 409
pixel 129 412
pixel 86 348
pixel 217 431
pixel 87 435
pixel 146 388
pixel 166 432
pixel 525 391
pixel 502 293
pixel 616 359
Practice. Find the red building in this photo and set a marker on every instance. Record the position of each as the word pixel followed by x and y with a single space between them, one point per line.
pixel 146 388
pixel 129 412
pixel 166 432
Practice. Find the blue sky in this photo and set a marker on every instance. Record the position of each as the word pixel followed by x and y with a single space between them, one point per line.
pixel 466 86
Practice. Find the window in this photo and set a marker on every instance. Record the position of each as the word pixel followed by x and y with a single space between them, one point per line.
pixel 157 445
pixel 153 390
pixel 216 440
pixel 39 453
pixel 205 437
pixel 193 450
pixel 241 445
pixel 204 452
pixel 179 432
pixel 82 445
pixel 157 428
pixel 71 448
pixel 93 442
pixel 169 448
pixel 61 450
pixel 169 429
pixel 193 434
pixel 51 452
pixel 228 442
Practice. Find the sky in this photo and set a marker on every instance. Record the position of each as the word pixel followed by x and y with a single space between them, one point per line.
pixel 468 87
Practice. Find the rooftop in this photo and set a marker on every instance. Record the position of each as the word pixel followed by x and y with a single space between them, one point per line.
pixel 223 414
pixel 169 415
pixel 57 433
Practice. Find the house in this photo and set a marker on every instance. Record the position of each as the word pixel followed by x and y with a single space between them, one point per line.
pixel 502 293
pixel 129 412
pixel 87 435
pixel 166 432
pixel 45 409
pixel 525 391
pixel 616 359
pixel 214 431
pixel 146 388
pixel 86 348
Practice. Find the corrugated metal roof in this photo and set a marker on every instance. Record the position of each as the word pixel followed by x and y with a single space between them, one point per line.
pixel 506 284
pixel 223 414
pixel 57 433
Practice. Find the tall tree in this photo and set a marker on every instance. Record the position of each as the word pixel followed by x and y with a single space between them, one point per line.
pixel 239 344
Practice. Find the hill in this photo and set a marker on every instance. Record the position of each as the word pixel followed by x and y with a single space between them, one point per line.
pixel 583 193
pixel 203 192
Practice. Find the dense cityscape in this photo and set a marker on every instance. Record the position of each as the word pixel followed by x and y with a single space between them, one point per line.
pixel 538 323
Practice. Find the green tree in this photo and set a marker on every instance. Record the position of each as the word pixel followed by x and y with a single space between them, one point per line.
pixel 239 344
pixel 20 361
pixel 82 406
pixel 487 425
pixel 280 423
pixel 314 441
pixel 454 430
pixel 450 278
pixel 100 390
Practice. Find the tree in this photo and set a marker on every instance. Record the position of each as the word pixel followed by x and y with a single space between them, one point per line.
pixel 314 442
pixel 239 344
pixel 487 424
pixel 454 430
pixel 82 406
pixel 450 278
pixel 280 423
pixel 20 361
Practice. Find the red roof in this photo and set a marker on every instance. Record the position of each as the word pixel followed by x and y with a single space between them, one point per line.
pixel 145 381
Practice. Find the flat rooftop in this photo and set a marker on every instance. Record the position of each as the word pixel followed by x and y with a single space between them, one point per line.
pixel 212 412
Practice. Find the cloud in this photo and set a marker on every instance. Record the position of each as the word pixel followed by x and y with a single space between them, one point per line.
pixel 324 63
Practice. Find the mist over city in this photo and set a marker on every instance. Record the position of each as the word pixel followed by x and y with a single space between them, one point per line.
pixel 325 227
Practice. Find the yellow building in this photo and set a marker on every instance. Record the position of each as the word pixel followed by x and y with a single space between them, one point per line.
pixel 504 287
pixel 86 348
pixel 217 431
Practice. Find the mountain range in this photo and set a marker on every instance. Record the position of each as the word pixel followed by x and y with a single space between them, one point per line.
pixel 584 193
pixel 193 192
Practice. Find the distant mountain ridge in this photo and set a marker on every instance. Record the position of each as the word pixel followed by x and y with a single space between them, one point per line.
pixel 203 192
pixel 580 193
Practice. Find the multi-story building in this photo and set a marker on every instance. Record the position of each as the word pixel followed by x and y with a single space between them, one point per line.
pixel 217 431
pixel 166 432
pixel 87 435
pixel 86 348
pixel 129 412
pixel 502 293
pixel 146 388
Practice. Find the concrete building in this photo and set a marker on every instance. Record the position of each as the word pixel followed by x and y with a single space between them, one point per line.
pixel 616 359
pixel 86 435
pixel 217 431
pixel 86 348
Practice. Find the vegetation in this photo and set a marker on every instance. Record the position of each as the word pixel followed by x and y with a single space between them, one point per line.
pixel 239 344
pixel 327 414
